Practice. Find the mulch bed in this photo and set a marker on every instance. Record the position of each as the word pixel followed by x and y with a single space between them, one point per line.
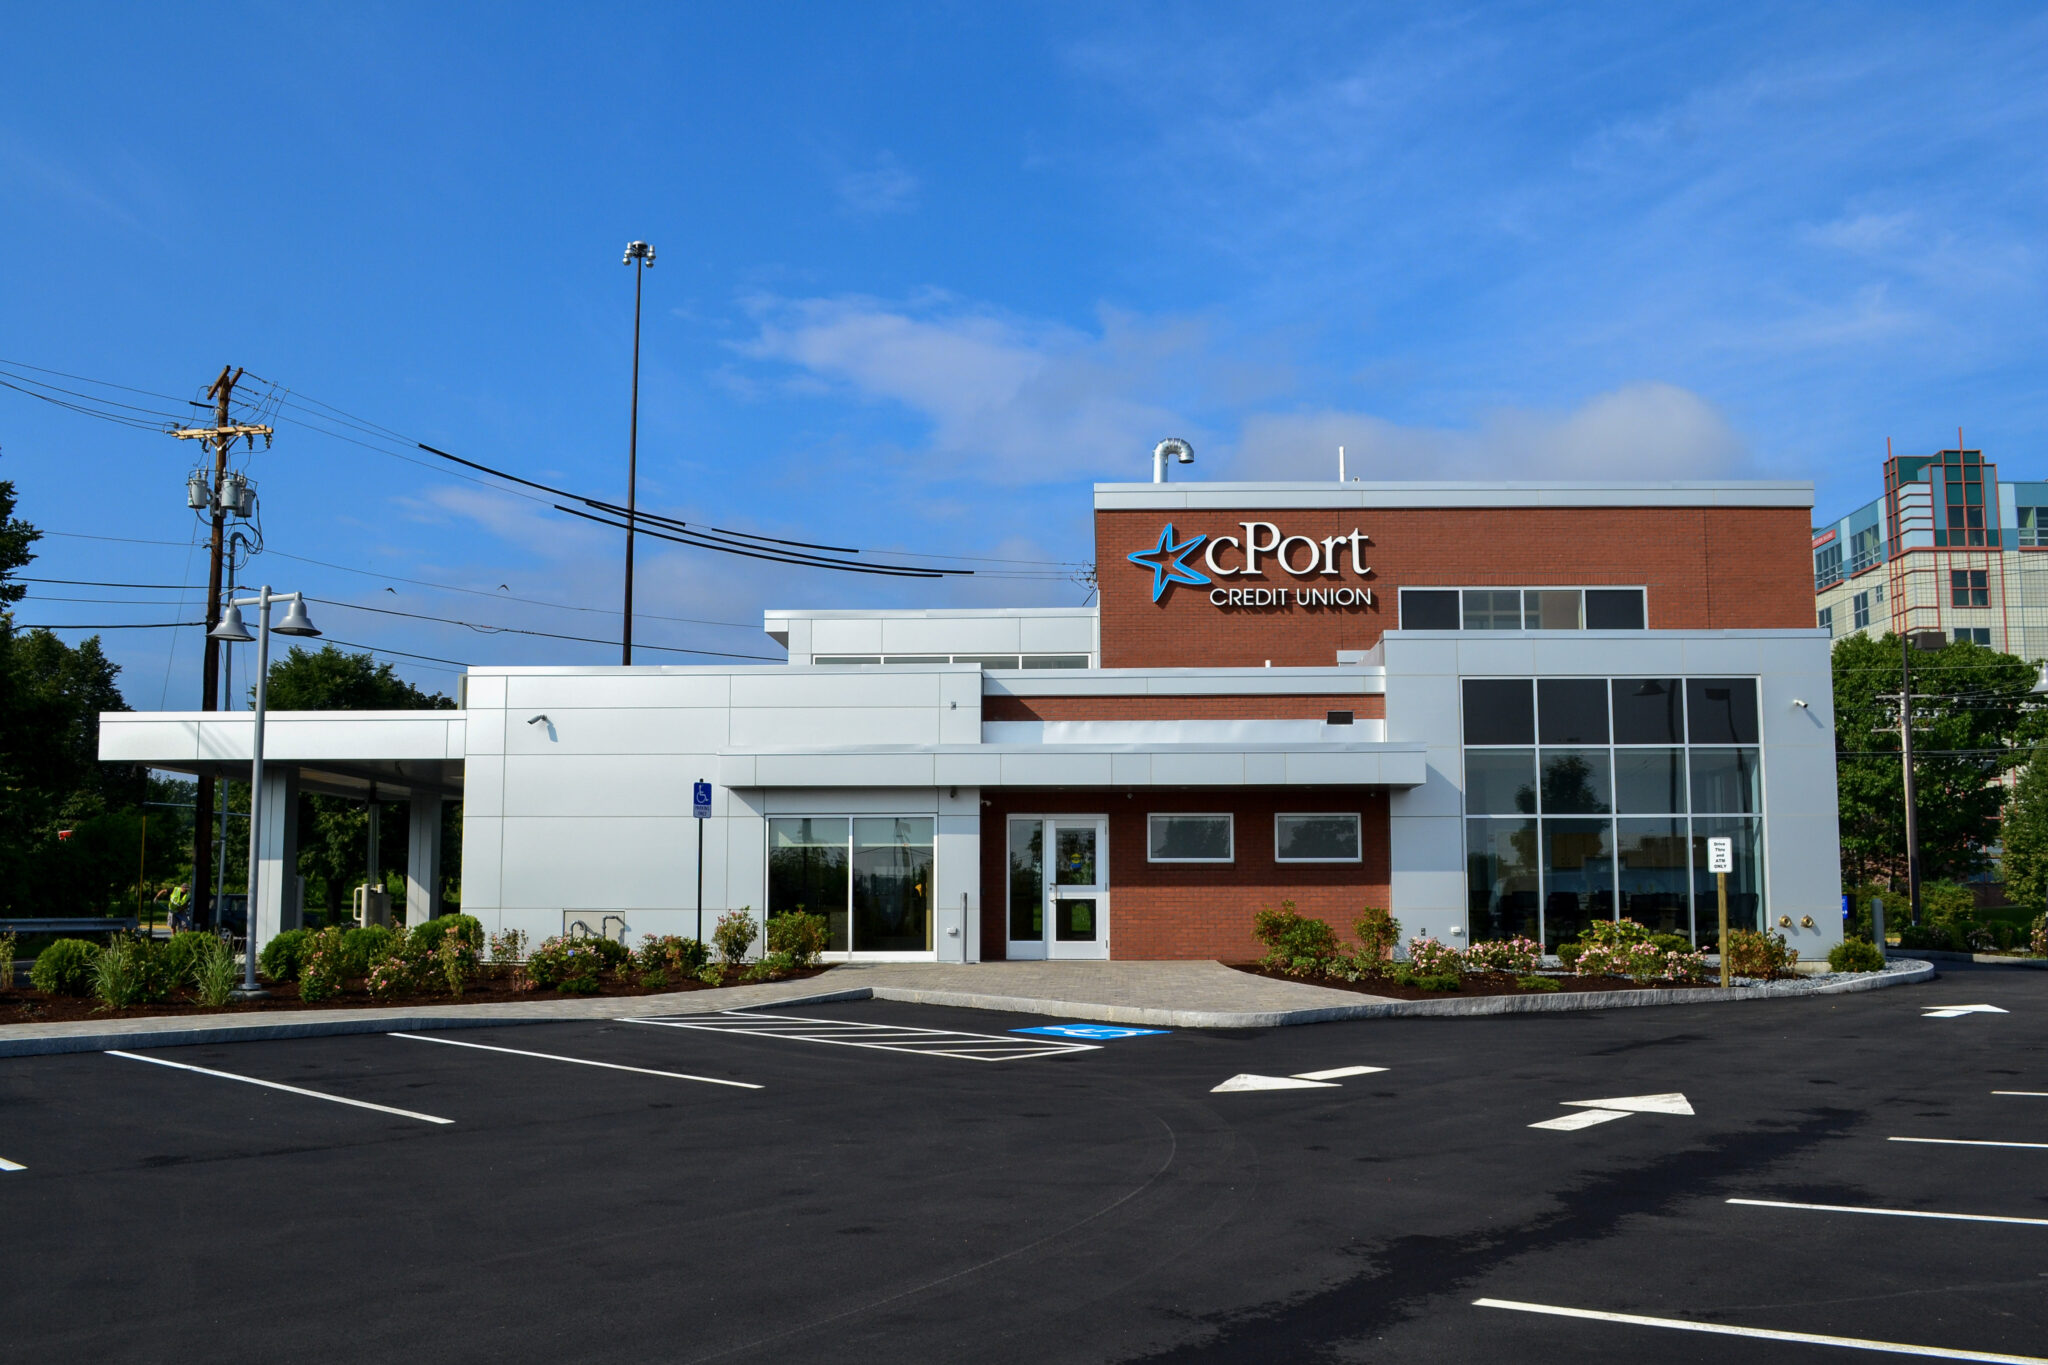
pixel 1475 983
pixel 27 1006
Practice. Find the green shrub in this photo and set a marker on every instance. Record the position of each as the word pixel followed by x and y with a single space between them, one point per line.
pixel 1538 983
pixel 1855 955
pixel 7 942
pixel 179 955
pixel 2037 939
pixel 1671 943
pixel 284 954
pixel 456 960
pixel 1568 955
pixel 1431 958
pixel 798 936
pixel 362 947
pixel 395 974
pixel 1295 943
pixel 214 977
pixel 426 936
pixel 578 985
pixel 508 947
pixel 654 981
pixel 1614 933
pixel 322 968
pixel 1858 924
pixel 65 967
pixel 1947 901
pixel 672 953
pixel 734 934
pixel 712 974
pixel 1377 931
pixel 576 965
pixel 1762 956
pixel 772 967
pixel 1438 981
pixel 127 972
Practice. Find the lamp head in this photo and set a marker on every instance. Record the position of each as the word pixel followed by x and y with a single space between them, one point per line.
pixel 639 251
pixel 296 621
pixel 231 630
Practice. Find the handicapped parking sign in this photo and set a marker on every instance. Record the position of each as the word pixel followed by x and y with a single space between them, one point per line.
pixel 700 800
pixel 1094 1033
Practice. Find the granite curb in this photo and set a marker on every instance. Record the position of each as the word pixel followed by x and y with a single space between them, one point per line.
pixel 1988 959
pixel 89 1036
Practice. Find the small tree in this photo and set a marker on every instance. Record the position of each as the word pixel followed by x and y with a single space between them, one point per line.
pixel 2025 835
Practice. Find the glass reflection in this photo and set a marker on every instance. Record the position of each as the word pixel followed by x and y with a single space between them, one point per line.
pixel 892 883
pixel 1726 782
pixel 1027 880
pixel 1500 781
pixel 1745 884
pixel 1649 781
pixel 1577 782
pixel 1500 866
pixel 1651 857
pixel 807 870
pixel 1578 877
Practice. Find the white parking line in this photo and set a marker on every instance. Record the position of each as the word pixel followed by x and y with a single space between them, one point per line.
pixel 924 1042
pixel 279 1085
pixel 1970 1142
pixel 6 1165
pixel 579 1061
pixel 1890 1213
pixel 1336 1073
pixel 1722 1329
pixel 2037 1094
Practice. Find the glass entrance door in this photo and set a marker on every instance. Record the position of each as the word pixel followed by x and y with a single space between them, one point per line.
pixel 1059 887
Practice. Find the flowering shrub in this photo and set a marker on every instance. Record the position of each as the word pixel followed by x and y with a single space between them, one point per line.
pixel 575 965
pixel 1689 967
pixel 1763 956
pixel 671 954
pixel 1614 933
pixel 734 935
pixel 456 960
pixel 322 967
pixel 508 947
pixel 1431 958
pixel 427 935
pixel 2038 939
pixel 773 967
pixel 1377 932
pixel 393 974
pixel 1517 955
pixel 363 946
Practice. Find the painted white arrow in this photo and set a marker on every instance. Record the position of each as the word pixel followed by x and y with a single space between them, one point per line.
pixel 1245 1081
pixel 1958 1011
pixel 1606 1111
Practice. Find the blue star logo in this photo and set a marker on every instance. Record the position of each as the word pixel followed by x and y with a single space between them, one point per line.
pixel 1168 562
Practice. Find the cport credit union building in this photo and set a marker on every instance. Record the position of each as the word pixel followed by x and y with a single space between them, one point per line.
pixel 1497 709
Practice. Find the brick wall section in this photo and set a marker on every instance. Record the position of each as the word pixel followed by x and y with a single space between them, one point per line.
pixel 1706 568
pixel 1361 706
pixel 1196 910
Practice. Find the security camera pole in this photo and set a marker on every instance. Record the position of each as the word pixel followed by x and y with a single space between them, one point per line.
pixel 232 631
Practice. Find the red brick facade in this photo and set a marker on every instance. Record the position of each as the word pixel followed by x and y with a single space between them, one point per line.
pixel 1293 707
pixel 1705 568
pixel 1196 910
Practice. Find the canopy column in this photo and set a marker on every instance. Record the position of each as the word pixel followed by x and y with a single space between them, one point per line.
pixel 277 865
pixel 423 858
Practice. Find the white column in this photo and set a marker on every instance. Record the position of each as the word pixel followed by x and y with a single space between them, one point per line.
pixel 277 881
pixel 956 901
pixel 423 859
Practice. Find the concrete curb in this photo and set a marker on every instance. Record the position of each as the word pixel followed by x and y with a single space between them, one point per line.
pixel 87 1036
pixel 1988 959
pixel 125 1035
pixel 1902 972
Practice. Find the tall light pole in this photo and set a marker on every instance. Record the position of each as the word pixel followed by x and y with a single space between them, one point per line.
pixel 232 631
pixel 640 256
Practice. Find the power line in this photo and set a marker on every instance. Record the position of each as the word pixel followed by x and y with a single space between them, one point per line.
pixel 884 570
pixel 157 625
pixel 542 634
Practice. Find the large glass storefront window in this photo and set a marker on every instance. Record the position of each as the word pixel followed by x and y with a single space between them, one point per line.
pixel 1027 879
pixel 1592 798
pixel 870 876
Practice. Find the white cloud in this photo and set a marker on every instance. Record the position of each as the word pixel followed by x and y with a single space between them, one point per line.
pixel 1648 430
pixel 877 190
pixel 1009 401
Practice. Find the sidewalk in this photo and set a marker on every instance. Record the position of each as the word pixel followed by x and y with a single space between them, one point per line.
pixel 1154 994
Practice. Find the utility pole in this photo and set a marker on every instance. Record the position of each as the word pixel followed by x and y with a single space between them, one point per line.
pixel 221 435
pixel 640 256
pixel 1906 643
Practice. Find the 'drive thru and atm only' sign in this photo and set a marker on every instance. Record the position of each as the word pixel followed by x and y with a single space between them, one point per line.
pixel 1201 560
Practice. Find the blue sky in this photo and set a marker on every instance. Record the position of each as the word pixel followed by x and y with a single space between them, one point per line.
pixel 927 272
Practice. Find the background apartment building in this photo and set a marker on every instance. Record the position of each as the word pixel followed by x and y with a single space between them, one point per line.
pixel 1949 547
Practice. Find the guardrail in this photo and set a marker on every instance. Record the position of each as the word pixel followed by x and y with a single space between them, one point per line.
pixel 94 925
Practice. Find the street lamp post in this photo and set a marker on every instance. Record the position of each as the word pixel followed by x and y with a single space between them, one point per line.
pixel 640 256
pixel 232 631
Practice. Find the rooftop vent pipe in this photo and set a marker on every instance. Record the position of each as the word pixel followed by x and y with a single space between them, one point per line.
pixel 1174 446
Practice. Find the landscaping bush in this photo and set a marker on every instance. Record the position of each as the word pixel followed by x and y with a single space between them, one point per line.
pixel 1671 943
pixel 2037 941
pixel 65 967
pixel 712 973
pixel 1568 954
pixel 1377 931
pixel 456 961
pixel 323 967
pixel 1689 967
pixel 1761 956
pixel 1858 924
pixel 654 981
pixel 427 936
pixel 1614 933
pixel 734 934
pixel 672 953
pixel 1855 955
pixel 1431 958
pixel 214 977
pixel 177 955
pixel 772 967
pixel 508 947
pixel 1295 943
pixel 127 972
pixel 1517 955
pixel 575 965
pixel 284 954
pixel 363 947
pixel 395 974
pixel 798 936
pixel 1538 983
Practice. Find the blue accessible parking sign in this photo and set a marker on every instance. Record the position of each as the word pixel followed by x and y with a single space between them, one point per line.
pixel 1094 1033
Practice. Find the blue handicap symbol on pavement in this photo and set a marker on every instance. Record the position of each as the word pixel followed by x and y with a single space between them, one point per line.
pixel 1096 1033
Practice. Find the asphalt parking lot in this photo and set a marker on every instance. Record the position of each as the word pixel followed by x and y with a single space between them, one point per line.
pixel 920 1184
